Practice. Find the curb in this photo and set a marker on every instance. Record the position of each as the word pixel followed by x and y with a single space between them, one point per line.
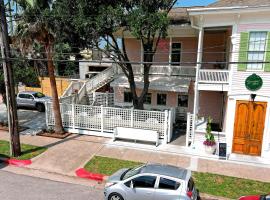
pixel 83 173
pixel 15 162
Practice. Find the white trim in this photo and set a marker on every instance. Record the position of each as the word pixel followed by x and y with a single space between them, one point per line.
pixel 222 10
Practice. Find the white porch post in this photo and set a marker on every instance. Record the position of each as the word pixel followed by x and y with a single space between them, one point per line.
pixel 196 91
pixel 166 127
pixel 101 118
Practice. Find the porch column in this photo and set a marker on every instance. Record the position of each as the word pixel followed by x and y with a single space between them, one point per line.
pixel 198 67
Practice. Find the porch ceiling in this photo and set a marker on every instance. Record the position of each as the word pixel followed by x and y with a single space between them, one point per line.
pixel 159 83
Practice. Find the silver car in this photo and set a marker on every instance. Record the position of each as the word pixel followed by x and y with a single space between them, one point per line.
pixel 151 182
pixel 32 99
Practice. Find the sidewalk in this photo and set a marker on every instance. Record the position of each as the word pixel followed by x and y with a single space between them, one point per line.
pixel 64 157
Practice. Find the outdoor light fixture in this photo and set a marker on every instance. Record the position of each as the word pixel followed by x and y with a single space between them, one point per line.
pixel 253 96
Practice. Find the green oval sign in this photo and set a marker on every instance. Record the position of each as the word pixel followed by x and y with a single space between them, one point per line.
pixel 254 82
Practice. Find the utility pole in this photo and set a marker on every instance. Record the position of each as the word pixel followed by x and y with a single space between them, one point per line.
pixel 9 83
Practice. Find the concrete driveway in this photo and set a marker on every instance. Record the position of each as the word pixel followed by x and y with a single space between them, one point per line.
pixel 31 119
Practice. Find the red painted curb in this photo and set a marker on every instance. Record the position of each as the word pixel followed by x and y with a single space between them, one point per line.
pixel 18 163
pixel 82 173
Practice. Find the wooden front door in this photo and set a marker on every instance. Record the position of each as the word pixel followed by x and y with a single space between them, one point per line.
pixel 249 127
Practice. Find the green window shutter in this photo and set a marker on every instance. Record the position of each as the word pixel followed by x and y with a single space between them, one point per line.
pixel 243 55
pixel 267 55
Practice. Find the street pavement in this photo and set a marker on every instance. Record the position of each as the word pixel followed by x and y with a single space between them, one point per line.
pixel 14 186
pixel 31 119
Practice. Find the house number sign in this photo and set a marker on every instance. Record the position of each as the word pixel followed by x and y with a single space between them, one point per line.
pixel 253 82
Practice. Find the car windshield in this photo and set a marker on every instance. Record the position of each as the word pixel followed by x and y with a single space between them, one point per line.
pixel 38 95
pixel 132 172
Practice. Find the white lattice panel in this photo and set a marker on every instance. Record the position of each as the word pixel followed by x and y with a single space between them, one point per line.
pixel 49 115
pixel 66 113
pixel 152 120
pixel 115 117
pixel 91 98
pixel 87 117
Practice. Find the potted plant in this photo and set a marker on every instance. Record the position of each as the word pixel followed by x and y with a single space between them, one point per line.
pixel 209 143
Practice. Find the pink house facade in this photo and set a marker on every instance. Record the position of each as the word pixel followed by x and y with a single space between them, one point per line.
pixel 209 49
pixel 215 63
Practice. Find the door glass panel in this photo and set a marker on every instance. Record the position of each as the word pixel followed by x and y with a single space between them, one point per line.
pixel 22 96
pixel 144 182
pixel 168 184
pixel 28 96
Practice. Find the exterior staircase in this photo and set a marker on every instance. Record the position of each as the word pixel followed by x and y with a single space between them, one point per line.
pixel 78 91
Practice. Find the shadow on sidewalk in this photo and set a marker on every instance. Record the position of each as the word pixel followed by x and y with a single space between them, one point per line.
pixel 62 141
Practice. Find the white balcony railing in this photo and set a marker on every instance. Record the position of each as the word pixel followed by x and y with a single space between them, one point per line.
pixel 214 76
pixel 167 70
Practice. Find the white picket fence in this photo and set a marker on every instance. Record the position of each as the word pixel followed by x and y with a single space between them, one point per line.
pixel 105 119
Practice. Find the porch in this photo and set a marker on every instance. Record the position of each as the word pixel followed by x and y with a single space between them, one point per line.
pixel 211 104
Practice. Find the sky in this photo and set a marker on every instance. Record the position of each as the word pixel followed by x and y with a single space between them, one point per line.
pixel 186 3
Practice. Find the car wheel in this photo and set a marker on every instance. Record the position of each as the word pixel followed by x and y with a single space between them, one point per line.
pixel 115 196
pixel 40 107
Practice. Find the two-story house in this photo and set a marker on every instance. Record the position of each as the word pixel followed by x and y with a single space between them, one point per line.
pixel 241 98
pixel 221 69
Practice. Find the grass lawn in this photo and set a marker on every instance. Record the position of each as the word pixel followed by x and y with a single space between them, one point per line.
pixel 229 187
pixel 28 151
pixel 213 184
pixel 108 166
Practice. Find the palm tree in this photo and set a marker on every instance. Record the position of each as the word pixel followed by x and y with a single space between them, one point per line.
pixel 34 28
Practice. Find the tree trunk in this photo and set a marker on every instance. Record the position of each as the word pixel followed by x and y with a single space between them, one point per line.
pixel 58 128
pixel 9 83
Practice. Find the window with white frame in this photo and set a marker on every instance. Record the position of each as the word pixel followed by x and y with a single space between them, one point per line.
pixel 256 50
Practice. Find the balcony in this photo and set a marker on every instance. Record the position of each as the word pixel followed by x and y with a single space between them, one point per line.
pixel 166 70
pixel 213 80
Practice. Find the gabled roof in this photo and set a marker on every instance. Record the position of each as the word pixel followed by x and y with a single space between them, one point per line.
pixel 236 3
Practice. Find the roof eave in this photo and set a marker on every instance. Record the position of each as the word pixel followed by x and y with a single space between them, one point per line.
pixel 235 9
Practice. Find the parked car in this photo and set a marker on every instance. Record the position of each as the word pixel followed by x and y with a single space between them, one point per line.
pixel 256 197
pixel 30 99
pixel 151 182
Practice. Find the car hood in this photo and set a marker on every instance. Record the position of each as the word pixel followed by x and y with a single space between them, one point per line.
pixel 117 175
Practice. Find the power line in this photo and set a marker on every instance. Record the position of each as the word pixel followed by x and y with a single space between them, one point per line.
pixel 159 52
pixel 135 62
